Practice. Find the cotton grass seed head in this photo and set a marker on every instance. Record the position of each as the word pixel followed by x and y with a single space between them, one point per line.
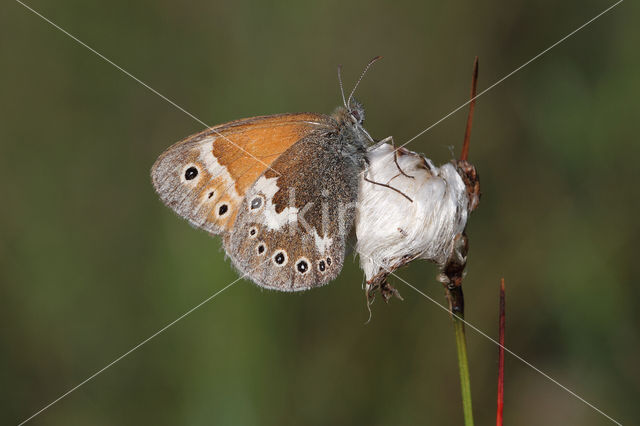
pixel 414 210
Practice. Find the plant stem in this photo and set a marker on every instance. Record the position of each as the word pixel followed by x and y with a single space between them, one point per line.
pixel 472 104
pixel 501 328
pixel 454 268
pixel 463 366
pixel 453 273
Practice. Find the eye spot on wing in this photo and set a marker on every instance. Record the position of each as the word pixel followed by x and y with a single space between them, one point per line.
pixel 223 209
pixel 322 266
pixel 329 261
pixel 253 231
pixel 210 194
pixel 302 265
pixel 190 173
pixel 256 202
pixel 261 249
pixel 280 258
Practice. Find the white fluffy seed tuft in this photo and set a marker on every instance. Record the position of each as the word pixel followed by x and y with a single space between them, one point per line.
pixel 390 229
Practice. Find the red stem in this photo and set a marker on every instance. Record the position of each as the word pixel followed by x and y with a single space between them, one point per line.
pixel 501 357
pixel 472 104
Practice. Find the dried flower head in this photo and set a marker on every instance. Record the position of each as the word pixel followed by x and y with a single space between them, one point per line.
pixel 410 209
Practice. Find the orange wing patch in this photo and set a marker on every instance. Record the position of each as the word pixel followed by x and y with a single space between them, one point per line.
pixel 225 161
pixel 265 138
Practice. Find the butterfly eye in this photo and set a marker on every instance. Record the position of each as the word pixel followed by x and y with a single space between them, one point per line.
pixel 191 173
pixel 302 266
pixel 322 266
pixel 280 258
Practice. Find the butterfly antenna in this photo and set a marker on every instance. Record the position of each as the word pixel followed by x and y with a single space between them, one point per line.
pixel 344 101
pixel 362 75
pixel 472 104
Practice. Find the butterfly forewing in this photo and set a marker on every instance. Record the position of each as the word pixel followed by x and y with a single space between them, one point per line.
pixel 204 178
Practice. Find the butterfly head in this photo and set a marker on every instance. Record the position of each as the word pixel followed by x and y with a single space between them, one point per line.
pixel 350 120
pixel 356 112
pixel 352 116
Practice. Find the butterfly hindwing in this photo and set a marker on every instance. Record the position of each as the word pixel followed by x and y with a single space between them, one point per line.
pixel 291 228
pixel 204 178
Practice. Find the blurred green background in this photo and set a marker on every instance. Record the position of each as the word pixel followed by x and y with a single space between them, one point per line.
pixel 91 262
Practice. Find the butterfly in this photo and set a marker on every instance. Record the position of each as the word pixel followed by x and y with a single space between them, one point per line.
pixel 281 190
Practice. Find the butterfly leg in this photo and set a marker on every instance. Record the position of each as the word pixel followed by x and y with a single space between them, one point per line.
pixel 379 282
pixel 386 186
pixel 389 139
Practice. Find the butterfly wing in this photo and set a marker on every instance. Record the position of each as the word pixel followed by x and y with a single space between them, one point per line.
pixel 291 229
pixel 204 177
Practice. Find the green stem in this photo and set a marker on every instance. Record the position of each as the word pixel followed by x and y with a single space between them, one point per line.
pixel 463 366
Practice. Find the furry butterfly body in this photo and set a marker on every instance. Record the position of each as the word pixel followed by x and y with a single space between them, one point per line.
pixel 280 190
